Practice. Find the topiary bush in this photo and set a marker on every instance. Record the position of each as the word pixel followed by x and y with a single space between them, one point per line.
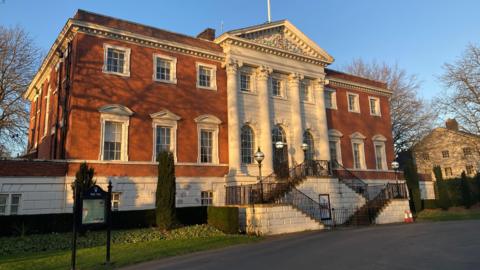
pixel 224 218
pixel 165 195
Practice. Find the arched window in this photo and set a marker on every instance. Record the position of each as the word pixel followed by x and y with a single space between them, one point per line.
pixel 278 135
pixel 247 145
pixel 308 139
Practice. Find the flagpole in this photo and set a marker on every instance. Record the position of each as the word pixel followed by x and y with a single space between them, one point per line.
pixel 269 15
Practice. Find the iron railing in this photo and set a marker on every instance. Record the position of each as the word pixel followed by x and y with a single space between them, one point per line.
pixel 302 202
pixel 353 181
pixel 270 188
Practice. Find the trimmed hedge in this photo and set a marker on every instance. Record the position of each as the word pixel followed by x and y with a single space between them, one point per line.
pixel 48 223
pixel 224 219
pixel 429 204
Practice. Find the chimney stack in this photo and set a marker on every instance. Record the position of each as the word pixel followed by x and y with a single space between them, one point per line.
pixel 208 34
pixel 451 124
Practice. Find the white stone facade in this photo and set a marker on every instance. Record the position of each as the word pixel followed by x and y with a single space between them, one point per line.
pixel 265 219
pixel 393 212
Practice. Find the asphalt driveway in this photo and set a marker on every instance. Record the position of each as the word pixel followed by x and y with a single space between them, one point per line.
pixel 436 245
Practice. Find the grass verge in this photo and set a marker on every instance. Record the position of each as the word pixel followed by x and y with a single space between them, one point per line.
pixel 454 213
pixel 122 254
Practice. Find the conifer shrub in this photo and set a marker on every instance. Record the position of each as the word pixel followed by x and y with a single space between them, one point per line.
pixel 165 194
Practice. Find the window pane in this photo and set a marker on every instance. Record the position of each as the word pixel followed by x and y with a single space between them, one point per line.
pixel 276 87
pixel 379 156
pixel 352 103
pixel 115 60
pixel 3 203
pixel 373 106
pixel 163 139
pixel 308 139
pixel 356 156
pixel 112 141
pixel 14 204
pixel 333 152
pixel 247 144
pixel 163 69
pixel 205 76
pixel 245 82
pixel 328 99
pixel 206 147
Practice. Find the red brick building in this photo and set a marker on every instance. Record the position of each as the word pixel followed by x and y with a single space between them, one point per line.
pixel 114 93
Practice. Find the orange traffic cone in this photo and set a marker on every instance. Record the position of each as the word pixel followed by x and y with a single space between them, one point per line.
pixel 405 219
pixel 408 216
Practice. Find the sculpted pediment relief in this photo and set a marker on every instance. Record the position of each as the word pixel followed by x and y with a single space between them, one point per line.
pixel 283 35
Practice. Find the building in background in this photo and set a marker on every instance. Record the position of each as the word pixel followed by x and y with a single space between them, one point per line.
pixel 453 150
pixel 115 93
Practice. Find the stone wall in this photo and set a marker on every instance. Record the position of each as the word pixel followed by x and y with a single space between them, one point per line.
pixel 275 219
pixel 427 190
pixel 394 212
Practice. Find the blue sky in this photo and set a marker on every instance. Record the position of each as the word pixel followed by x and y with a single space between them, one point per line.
pixel 419 35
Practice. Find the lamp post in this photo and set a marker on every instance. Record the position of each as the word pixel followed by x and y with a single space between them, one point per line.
pixel 304 148
pixel 395 166
pixel 259 156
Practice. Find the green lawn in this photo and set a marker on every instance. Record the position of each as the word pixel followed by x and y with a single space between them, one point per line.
pixel 456 213
pixel 122 254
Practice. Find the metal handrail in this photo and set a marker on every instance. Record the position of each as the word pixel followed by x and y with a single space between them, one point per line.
pixel 357 184
pixel 302 202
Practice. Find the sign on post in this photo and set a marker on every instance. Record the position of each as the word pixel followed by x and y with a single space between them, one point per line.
pixel 94 206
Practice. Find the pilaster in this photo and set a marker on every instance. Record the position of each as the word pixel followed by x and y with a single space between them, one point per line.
pixel 322 145
pixel 265 138
pixel 294 80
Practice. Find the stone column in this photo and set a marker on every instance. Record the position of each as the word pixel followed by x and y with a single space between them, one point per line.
pixel 296 127
pixel 265 138
pixel 322 144
pixel 233 122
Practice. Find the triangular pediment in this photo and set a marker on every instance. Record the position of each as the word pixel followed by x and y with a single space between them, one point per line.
pixel 285 36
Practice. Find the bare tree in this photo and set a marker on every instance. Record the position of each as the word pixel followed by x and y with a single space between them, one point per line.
pixel 19 58
pixel 411 116
pixel 461 98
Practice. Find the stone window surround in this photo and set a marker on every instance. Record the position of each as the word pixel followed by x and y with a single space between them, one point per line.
pixel 357 102
pixel 377 103
pixel 126 63
pixel 115 113
pixel 335 136
pixel 310 99
pixel 173 68
pixel 165 118
pixel 210 123
pixel 283 86
pixel 250 72
pixel 47 112
pixel 213 79
pixel 358 138
pixel 333 98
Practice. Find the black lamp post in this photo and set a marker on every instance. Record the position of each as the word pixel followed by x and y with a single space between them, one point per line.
pixel 259 156
pixel 395 167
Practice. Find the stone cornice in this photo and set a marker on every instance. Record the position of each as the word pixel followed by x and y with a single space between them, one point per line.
pixel 73 26
pixel 226 40
pixel 358 86
pixel 112 33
